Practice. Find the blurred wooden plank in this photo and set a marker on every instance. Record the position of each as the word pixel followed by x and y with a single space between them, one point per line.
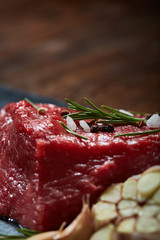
pixel 105 50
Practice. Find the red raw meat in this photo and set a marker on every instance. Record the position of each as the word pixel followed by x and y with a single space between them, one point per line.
pixel 45 171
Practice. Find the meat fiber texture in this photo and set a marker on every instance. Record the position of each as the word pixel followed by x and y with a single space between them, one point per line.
pixel 45 172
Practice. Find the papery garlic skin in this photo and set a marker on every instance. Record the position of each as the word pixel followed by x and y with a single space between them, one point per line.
pixel 80 228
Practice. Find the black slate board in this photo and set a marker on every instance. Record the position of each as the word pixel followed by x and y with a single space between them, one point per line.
pixel 8 228
pixel 10 94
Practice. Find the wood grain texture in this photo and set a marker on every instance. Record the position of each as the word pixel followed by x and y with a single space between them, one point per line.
pixel 108 51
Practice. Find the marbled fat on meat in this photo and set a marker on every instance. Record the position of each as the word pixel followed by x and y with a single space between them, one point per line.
pixel 45 171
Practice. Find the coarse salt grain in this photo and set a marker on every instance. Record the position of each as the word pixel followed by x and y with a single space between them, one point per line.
pixel 154 121
pixel 84 125
pixel 126 112
pixel 70 123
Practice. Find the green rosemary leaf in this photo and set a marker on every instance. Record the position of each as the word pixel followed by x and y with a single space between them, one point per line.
pixel 27 232
pixel 82 116
pixel 128 117
pixel 138 133
pixel 72 132
pixel 99 110
pixel 140 113
pixel 115 121
pixel 113 110
pixel 34 105
pixel 75 106
pixel 122 115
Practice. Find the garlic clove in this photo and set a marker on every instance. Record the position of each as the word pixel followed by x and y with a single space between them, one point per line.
pixel 105 233
pixel 129 190
pixel 148 183
pixel 149 210
pixel 103 213
pixel 141 198
pixel 136 236
pixel 128 208
pixel 156 197
pixel 127 225
pixel 129 212
pixel 127 204
pixel 147 225
pixel 112 194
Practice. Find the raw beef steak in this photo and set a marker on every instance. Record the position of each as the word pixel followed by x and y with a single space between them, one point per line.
pixel 45 171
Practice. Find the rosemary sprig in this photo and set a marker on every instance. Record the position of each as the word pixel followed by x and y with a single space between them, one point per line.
pixel 72 132
pixel 138 133
pixel 112 115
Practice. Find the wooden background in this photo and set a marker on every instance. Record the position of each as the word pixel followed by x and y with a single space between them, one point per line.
pixel 108 51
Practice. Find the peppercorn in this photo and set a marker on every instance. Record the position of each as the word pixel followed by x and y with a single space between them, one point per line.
pixel 110 128
pixel 41 110
pixel 64 112
pixel 94 129
pixel 107 128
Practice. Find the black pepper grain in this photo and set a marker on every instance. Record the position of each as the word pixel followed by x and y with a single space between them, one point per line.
pixel 107 128
pixel 94 129
pixel 110 128
pixel 104 128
